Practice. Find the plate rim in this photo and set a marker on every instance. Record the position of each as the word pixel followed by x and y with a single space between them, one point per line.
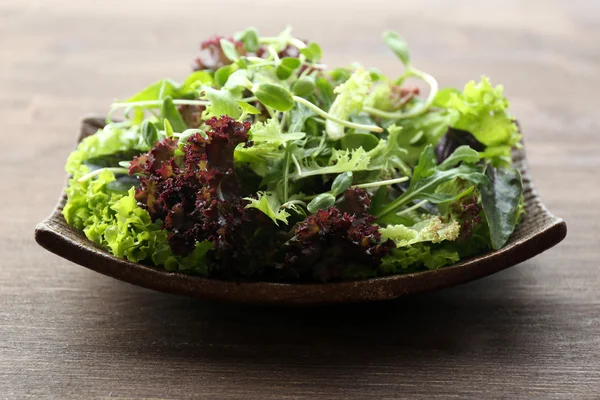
pixel 49 234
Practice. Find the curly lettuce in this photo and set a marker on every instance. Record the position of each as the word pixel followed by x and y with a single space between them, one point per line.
pixel 482 110
pixel 350 100
pixel 112 219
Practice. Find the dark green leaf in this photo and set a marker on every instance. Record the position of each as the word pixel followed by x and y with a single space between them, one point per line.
pixel 122 184
pixel 170 112
pixel 110 160
pixel 461 154
pixel 355 140
pixel 500 199
pixel 299 115
pixel 398 46
pixel 426 166
pixel 275 96
pixel 427 178
pixel 325 90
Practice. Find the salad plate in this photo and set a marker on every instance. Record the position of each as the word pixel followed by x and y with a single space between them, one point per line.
pixel 267 177
pixel 538 231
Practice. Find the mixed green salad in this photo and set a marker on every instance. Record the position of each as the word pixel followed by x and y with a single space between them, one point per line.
pixel 264 164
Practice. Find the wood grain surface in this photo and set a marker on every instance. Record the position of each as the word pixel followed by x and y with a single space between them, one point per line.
pixel 532 331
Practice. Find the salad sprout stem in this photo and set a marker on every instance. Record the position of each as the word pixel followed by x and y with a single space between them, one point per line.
pixel 415 111
pixel 177 102
pixel 381 183
pixel 273 53
pixel 324 114
pixel 297 164
pixel 286 171
pixel 97 172
pixel 415 207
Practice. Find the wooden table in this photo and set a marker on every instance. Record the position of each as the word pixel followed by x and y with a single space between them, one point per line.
pixel 529 332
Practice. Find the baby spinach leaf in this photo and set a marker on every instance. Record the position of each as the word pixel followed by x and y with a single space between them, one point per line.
pixel 500 198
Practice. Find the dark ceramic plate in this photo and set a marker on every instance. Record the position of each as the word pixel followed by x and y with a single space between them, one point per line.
pixel 538 231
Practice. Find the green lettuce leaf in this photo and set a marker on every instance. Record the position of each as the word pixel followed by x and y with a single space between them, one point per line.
pixel 270 131
pixel 350 100
pixel 482 110
pixel 270 205
pixel 115 221
pixel 113 138
pixel 432 230
pixel 415 257
pixel 341 161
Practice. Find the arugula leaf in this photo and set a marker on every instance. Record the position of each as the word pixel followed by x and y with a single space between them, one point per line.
pixel 270 205
pixel 299 115
pixel 501 198
pixel 427 176
pixel 389 154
